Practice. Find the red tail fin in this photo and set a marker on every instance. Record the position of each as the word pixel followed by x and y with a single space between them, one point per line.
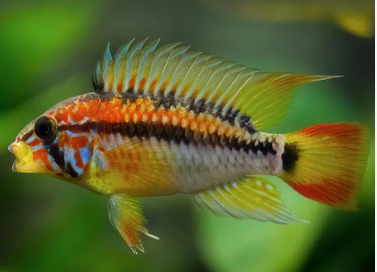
pixel 326 163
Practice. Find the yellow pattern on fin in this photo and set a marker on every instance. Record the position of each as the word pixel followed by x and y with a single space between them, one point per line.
pixel 174 71
pixel 126 216
pixel 144 164
pixel 137 168
pixel 255 198
pixel 267 96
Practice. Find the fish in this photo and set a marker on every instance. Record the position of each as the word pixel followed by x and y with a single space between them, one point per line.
pixel 355 17
pixel 165 119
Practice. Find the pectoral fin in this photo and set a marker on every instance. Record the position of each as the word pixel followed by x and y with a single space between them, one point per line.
pixel 255 198
pixel 126 216
pixel 139 167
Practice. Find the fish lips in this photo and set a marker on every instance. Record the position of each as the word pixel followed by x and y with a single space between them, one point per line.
pixel 24 162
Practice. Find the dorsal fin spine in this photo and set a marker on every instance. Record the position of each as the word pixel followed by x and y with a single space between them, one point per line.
pixel 214 68
pixel 145 61
pixel 175 75
pixel 171 68
pixel 234 91
pixel 180 81
pixel 205 58
pixel 133 62
pixel 248 76
pixel 166 72
pixel 226 67
pixel 225 93
pixel 198 59
pixel 107 67
pixel 154 72
pixel 119 66
pixel 169 52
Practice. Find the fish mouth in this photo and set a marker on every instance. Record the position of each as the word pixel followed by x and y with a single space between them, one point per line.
pixel 24 162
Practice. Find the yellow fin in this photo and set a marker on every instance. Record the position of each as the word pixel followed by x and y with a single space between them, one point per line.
pixel 194 77
pixel 126 216
pixel 267 96
pixel 255 198
pixel 327 162
pixel 144 166
pixel 139 167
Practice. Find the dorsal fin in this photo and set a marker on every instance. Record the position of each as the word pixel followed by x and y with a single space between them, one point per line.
pixel 194 77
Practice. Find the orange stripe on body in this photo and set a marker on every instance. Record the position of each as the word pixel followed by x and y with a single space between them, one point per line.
pixel 115 110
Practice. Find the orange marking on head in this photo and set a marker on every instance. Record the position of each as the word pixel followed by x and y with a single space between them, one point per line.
pixel 42 155
pixel 79 142
pixel 79 162
pixel 79 114
pixel 63 139
pixel 35 142
pixel 93 109
pixel 62 116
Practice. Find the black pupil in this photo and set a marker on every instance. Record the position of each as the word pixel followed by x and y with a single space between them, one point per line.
pixel 43 128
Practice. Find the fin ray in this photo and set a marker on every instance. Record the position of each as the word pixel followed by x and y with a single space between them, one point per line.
pixel 255 198
pixel 144 69
pixel 326 162
pixel 126 216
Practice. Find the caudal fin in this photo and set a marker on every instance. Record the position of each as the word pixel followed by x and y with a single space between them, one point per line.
pixel 327 162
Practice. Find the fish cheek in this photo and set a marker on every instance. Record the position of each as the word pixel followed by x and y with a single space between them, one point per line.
pixel 41 157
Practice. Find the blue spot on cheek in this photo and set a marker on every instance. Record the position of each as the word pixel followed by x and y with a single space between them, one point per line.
pixel 85 154
pixel 31 139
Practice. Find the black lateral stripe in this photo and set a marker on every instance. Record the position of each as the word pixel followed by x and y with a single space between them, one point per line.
pixel 57 155
pixel 169 133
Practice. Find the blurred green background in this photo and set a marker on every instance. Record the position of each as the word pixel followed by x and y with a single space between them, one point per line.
pixel 48 51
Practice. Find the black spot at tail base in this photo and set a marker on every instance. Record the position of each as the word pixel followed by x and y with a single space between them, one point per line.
pixel 290 156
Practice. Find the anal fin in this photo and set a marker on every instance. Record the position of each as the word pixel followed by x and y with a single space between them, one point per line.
pixel 126 216
pixel 255 198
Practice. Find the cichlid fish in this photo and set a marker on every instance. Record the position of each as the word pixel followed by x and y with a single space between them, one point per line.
pixel 166 120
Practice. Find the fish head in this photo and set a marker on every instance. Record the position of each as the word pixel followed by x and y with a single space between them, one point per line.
pixel 44 146
pixel 32 144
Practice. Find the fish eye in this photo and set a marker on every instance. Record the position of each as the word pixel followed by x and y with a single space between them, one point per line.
pixel 45 128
